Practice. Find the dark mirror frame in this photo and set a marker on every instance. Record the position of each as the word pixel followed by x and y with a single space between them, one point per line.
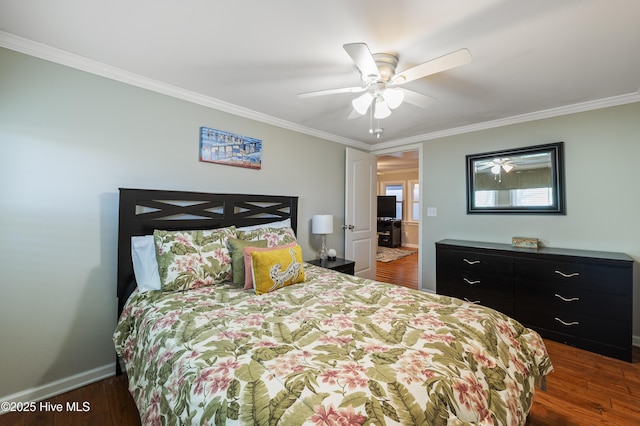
pixel 557 180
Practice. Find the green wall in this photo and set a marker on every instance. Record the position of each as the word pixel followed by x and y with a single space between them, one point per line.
pixel 602 149
pixel 69 140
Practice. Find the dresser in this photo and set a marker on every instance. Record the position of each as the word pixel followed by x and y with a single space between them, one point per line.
pixel 579 297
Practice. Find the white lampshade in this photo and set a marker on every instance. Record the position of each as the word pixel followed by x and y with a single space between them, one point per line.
pixel 322 224
pixel 361 103
pixel 394 97
pixel 382 109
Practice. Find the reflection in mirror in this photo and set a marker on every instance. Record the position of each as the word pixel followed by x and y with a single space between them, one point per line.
pixel 524 180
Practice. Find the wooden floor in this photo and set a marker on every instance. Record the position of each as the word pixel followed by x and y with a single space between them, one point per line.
pixel 588 389
pixel 403 271
pixel 584 388
pixel 108 404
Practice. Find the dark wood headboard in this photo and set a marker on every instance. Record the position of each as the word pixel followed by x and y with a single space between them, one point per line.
pixel 143 210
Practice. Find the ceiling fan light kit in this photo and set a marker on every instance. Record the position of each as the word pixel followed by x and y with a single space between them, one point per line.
pixel 362 102
pixel 382 110
pixel 394 97
pixel 380 80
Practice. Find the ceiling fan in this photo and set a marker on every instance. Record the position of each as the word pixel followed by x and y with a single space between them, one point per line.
pixel 380 81
pixel 496 165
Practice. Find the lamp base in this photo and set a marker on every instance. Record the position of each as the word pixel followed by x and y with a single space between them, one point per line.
pixel 323 253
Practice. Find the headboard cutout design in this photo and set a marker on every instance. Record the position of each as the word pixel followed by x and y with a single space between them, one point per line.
pixel 143 210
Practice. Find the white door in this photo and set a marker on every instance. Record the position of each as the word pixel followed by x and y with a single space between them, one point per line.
pixel 360 212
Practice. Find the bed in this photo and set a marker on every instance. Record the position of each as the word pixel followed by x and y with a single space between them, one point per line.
pixel 332 349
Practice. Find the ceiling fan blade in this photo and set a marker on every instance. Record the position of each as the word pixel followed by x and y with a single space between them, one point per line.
pixel 354 114
pixel 331 92
pixel 417 99
pixel 434 66
pixel 363 59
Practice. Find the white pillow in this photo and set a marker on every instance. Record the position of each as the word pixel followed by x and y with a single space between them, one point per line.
pixel 280 224
pixel 145 265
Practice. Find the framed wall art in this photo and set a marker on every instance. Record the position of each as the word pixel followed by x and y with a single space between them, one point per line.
pixel 218 146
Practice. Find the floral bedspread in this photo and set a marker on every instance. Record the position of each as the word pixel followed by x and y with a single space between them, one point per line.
pixel 335 350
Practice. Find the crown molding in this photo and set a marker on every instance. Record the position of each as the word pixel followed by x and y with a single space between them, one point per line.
pixel 516 119
pixel 62 57
pixel 52 54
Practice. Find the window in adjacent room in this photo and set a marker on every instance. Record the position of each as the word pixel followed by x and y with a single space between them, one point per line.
pixel 414 201
pixel 397 190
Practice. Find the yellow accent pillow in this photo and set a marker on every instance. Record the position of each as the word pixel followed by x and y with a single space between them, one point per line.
pixel 276 268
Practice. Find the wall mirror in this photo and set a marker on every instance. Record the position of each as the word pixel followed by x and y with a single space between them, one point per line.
pixel 523 180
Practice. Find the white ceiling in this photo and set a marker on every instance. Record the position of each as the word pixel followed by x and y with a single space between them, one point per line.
pixel 530 58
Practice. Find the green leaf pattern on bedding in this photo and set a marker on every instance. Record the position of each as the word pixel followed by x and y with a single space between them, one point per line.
pixel 335 350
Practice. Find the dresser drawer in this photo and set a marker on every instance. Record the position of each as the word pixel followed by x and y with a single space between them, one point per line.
pixel 499 302
pixel 572 301
pixel 574 276
pixel 476 287
pixel 471 261
pixel 582 325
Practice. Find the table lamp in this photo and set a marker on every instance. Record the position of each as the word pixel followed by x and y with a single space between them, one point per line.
pixel 322 224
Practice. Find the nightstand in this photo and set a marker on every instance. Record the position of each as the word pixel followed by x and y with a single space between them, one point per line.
pixel 340 265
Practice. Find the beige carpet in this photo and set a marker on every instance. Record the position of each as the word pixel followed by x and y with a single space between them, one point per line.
pixel 387 254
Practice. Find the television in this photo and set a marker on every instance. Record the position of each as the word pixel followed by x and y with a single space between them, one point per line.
pixel 387 206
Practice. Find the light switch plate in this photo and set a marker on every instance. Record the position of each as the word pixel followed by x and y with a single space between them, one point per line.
pixel 432 211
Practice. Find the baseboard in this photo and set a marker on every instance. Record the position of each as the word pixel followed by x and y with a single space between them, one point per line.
pixel 61 386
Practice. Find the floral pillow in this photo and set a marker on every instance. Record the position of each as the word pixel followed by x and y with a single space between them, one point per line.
pixel 193 259
pixel 277 268
pixel 273 236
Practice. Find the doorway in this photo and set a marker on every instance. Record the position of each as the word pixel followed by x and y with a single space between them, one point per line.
pixel 399 172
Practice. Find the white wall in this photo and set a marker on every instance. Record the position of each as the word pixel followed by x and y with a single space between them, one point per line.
pixel 69 140
pixel 602 150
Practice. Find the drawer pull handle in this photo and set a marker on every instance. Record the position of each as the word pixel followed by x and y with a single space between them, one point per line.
pixel 471 282
pixel 475 302
pixel 567 323
pixel 564 299
pixel 471 262
pixel 575 274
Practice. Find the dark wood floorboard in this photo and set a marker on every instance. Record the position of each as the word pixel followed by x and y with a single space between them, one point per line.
pixel 103 403
pixel 584 388
pixel 403 271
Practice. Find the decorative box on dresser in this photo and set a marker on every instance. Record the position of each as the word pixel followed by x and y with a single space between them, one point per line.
pixel 579 297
